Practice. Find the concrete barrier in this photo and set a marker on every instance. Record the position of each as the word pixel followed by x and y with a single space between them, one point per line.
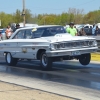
pixel 95 56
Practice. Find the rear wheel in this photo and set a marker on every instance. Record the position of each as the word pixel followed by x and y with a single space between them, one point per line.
pixel 84 59
pixel 10 60
pixel 46 62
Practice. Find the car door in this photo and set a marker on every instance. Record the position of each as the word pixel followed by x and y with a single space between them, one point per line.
pixel 25 45
pixel 18 38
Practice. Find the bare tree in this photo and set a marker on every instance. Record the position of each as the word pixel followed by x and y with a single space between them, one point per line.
pixel 77 15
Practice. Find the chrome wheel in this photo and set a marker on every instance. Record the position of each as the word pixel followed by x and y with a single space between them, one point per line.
pixel 8 57
pixel 10 60
pixel 44 60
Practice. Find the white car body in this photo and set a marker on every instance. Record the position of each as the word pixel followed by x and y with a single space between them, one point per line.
pixel 54 47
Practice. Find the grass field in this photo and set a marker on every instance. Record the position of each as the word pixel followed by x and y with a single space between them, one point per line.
pixel 95 56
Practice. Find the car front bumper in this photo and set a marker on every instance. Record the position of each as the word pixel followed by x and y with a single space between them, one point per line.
pixel 71 52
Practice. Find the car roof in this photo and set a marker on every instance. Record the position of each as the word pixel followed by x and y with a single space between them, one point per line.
pixel 41 26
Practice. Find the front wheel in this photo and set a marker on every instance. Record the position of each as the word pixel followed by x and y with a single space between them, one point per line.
pixel 84 59
pixel 46 62
pixel 10 60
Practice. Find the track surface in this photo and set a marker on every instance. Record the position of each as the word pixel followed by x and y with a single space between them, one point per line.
pixel 68 78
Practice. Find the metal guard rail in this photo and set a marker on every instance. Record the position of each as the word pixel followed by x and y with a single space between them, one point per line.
pixel 98 41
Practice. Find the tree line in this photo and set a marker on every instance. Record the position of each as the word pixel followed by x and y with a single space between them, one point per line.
pixel 73 15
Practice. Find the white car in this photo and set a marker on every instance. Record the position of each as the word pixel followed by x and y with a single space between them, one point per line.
pixel 48 44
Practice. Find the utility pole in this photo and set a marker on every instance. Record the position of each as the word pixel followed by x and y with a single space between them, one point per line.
pixel 23 13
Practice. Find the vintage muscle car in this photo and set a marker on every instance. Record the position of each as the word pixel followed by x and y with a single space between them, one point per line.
pixel 48 44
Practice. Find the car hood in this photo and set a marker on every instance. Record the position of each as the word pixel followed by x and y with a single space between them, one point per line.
pixel 66 37
pixel 51 39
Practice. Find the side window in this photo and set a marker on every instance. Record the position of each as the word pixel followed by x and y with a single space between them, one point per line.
pixel 28 34
pixel 46 33
pixel 20 34
pixel 37 33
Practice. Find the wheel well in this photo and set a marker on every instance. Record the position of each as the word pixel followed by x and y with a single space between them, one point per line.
pixel 5 53
pixel 39 53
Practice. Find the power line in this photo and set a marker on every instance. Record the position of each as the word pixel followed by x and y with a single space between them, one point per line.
pixel 85 3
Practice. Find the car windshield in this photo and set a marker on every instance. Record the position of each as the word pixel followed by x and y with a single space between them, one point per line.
pixel 48 31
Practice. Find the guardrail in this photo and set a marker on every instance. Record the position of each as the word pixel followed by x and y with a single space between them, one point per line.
pixel 98 41
pixel 98 46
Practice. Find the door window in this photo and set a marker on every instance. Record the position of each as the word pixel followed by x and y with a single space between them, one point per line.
pixel 20 35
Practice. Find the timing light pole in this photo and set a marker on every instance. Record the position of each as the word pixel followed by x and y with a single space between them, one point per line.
pixel 23 13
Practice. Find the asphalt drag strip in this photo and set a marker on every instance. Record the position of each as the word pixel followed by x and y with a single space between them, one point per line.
pixel 65 79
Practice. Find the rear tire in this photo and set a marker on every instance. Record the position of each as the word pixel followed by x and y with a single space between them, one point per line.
pixel 46 62
pixel 84 59
pixel 10 60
